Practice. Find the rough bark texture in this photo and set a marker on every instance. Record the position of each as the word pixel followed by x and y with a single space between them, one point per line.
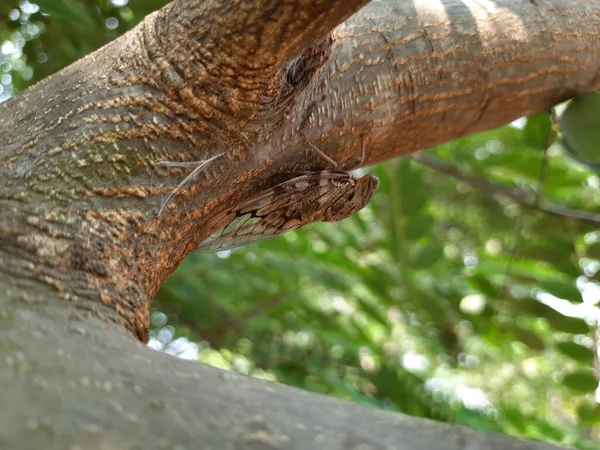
pixel 117 394
pixel 83 247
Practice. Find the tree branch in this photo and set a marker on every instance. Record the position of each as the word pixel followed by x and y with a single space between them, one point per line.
pixel 519 196
pixel 411 75
pixel 76 382
pixel 406 77
pixel 266 34
pixel 83 240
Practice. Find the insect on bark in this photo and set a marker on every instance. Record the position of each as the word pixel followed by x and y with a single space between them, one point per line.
pixel 323 196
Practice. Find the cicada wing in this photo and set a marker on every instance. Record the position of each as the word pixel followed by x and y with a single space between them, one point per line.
pixel 282 208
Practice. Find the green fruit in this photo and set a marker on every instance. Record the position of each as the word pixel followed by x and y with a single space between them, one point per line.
pixel 580 128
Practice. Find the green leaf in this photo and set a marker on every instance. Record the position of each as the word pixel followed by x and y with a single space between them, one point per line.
pixel 418 226
pixel 411 195
pixel 434 304
pixel 516 417
pixel 567 324
pixel 576 352
pixel 425 256
pixel 530 339
pixel 582 381
pixel 413 202
pixel 70 12
pixel 556 250
pixel 537 131
pixel 580 127
pixel 562 289
pixel 557 320
pixel 480 283
pixel 373 311
pixel 593 250
pixel 589 414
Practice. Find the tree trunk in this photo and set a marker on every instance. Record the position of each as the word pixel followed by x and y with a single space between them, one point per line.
pixel 85 242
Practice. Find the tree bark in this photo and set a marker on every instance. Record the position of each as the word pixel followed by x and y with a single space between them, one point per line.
pixel 84 247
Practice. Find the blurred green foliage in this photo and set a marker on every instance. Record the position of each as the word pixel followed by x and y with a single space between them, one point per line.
pixel 445 298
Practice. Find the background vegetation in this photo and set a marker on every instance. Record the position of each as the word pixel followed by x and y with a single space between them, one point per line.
pixel 466 292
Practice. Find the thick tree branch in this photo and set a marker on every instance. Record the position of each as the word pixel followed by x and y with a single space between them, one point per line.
pixel 235 51
pixel 411 75
pixel 262 36
pixel 405 77
pixel 182 85
pixel 94 387
pixel 81 183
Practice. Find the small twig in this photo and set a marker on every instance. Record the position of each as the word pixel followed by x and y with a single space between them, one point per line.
pixel 199 165
pixel 545 161
pixel 511 257
pixel 263 307
pixel 542 178
pixel 596 339
pixel 538 200
pixel 517 195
